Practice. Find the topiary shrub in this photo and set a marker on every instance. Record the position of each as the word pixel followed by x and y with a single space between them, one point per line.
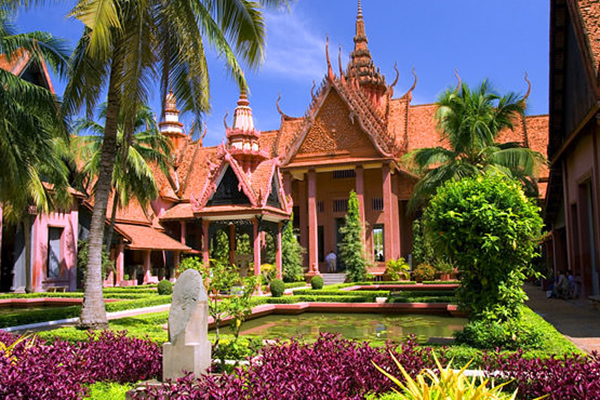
pixel 491 231
pixel 277 287
pixel 316 282
pixel 352 249
pixel 165 287
pixel 291 254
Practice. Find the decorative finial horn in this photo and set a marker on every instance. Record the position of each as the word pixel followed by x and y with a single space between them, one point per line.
pixel 528 87
pixel 204 131
pixel 414 85
pixel 340 64
pixel 459 80
pixel 225 119
pixel 397 75
pixel 329 69
pixel 312 89
pixel 283 115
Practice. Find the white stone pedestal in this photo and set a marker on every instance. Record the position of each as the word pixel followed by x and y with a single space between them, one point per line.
pixel 182 358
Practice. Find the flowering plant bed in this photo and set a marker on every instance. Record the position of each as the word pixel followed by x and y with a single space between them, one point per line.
pixel 36 369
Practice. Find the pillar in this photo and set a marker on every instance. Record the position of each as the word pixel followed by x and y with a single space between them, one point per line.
pixel 176 261
pixel 313 238
pixel 231 244
pixel 278 260
pixel 147 272
pixel 360 194
pixel 183 232
pixel 397 238
pixel 120 263
pixel 388 233
pixel 205 241
pixel 257 249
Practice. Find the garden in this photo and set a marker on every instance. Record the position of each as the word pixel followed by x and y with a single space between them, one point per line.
pixel 515 352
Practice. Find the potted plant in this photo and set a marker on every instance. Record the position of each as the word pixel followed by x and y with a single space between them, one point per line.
pixel 396 269
pixel 445 268
pixel 423 272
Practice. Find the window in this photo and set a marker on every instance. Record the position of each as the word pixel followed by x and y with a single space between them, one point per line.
pixel 377 204
pixel 320 206
pixel 54 252
pixel 378 249
pixel 340 205
pixel 343 174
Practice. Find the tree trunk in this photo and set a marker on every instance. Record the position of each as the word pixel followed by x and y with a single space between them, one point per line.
pixel 113 217
pixel 27 223
pixel 93 312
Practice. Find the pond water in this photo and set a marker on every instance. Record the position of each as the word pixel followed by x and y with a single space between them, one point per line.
pixel 394 327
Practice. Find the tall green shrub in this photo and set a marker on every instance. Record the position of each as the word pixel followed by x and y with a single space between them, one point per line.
pixel 491 230
pixel 352 248
pixel 422 252
pixel 291 254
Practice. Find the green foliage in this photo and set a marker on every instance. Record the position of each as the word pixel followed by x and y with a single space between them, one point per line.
pixel 316 282
pixel 291 254
pixel 277 288
pixel 422 252
pixel 82 257
pixel 470 120
pixel 191 263
pixel 352 249
pixel 442 383
pixel 267 273
pixel 396 269
pixel 165 287
pixel 490 230
pixel 507 335
pixel 423 272
pixel 109 390
pixel 290 285
pixel 219 247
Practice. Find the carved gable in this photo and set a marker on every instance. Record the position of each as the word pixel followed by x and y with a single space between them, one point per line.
pixel 229 191
pixel 336 133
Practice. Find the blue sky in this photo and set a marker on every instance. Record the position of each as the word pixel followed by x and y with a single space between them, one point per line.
pixel 498 40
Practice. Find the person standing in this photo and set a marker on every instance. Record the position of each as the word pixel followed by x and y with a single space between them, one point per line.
pixel 331 261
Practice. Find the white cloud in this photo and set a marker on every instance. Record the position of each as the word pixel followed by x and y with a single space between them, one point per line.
pixel 294 49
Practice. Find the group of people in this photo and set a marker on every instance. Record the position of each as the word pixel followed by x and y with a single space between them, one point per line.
pixel 564 287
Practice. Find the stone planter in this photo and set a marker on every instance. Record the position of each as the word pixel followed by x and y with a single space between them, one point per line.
pixel 130 282
pixel 380 300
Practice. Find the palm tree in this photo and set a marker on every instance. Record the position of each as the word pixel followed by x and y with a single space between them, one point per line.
pixel 133 177
pixel 32 134
pixel 470 120
pixel 125 46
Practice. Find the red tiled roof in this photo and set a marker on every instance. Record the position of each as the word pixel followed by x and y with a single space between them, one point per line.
pixel 147 238
pixel 195 169
pixel 178 211
pixel 17 64
pixel 590 15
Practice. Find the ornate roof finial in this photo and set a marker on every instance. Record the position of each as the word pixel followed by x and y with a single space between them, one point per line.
pixel 329 69
pixel 414 85
pixel 225 119
pixel 242 116
pixel 458 87
pixel 528 87
pixel 397 75
pixel 360 14
pixel 340 65
pixel 283 115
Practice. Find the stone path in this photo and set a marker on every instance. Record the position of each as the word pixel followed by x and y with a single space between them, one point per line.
pixel 576 319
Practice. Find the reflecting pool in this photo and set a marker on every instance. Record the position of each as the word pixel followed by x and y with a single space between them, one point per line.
pixel 353 326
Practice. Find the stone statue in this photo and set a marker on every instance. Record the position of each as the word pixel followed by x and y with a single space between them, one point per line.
pixel 188 349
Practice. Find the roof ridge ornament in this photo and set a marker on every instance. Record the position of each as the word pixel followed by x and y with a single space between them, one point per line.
pixel 414 85
pixel 283 115
pixel 459 86
pixel 330 75
pixel 528 87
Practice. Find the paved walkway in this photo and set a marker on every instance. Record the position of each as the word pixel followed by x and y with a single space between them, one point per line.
pixel 576 319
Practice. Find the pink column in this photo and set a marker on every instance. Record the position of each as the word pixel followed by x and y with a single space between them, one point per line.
pixel 120 263
pixel 360 194
pixel 205 240
pixel 396 218
pixel 176 260
pixel 147 271
pixel 302 216
pixel 183 231
pixel 313 239
pixel 278 261
pixel 387 214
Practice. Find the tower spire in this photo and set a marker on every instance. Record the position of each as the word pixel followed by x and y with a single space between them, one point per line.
pixel 361 69
pixel 170 125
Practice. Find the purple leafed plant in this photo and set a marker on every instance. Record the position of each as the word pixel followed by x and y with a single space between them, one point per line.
pixel 573 378
pixel 42 370
pixel 330 368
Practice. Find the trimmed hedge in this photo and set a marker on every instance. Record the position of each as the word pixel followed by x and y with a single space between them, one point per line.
pixel 290 285
pixel 327 292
